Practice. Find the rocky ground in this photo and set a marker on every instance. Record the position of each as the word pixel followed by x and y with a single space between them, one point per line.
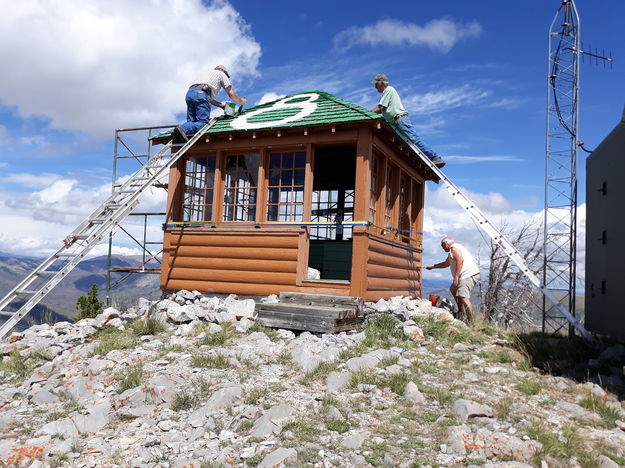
pixel 194 381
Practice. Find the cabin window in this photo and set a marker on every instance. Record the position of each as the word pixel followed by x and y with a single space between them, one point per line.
pixel 404 209
pixel 375 195
pixel 285 200
pixel 391 195
pixel 415 212
pixel 240 187
pixel 199 183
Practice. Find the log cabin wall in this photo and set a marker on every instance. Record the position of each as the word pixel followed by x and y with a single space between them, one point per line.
pixel 243 261
pixel 393 268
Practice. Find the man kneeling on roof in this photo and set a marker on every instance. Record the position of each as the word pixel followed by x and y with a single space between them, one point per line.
pixel 391 108
pixel 200 96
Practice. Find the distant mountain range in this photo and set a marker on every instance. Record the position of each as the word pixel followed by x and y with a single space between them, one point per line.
pixel 60 303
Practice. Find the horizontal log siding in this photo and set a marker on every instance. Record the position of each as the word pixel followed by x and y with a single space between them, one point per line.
pixel 393 269
pixel 244 261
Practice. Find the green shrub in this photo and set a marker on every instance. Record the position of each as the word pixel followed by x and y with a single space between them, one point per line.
pixel 338 426
pixel 89 306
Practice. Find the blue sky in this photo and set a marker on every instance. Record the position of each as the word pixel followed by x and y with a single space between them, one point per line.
pixel 472 75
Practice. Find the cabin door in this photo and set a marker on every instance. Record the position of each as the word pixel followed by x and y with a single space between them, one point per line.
pixel 333 209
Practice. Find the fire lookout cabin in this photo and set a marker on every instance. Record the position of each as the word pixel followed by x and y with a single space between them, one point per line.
pixel 309 181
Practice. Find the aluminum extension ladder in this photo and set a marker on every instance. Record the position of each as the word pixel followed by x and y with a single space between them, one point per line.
pixel 89 233
pixel 497 236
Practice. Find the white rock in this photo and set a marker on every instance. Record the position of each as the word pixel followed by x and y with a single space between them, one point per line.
pixel 279 458
pixel 467 409
pixel 412 394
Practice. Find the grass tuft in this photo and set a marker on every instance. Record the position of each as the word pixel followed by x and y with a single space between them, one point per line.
pixel 111 338
pixel 270 332
pixel 569 443
pixel 600 407
pixel 210 361
pixel 147 326
pixel 219 338
pixel 320 372
pixel 530 386
pixel 131 378
pixel 338 426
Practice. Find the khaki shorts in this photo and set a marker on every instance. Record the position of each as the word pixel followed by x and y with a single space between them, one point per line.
pixel 465 285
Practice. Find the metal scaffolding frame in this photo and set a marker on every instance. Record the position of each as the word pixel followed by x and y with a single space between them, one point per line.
pixel 560 211
pixel 132 146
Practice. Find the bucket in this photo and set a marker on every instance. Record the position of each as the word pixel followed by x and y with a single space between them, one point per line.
pixel 434 299
pixel 230 109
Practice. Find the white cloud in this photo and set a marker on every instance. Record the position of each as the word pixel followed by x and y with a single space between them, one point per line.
pixel 481 159
pixel 35 223
pixel 268 97
pixel 445 99
pixel 439 34
pixel 31 180
pixel 93 66
pixel 444 217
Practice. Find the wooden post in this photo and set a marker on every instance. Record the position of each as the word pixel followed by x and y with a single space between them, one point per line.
pixel 362 196
pixel 218 192
pixel 261 195
pixel 175 192
pixel 308 183
pixel 363 174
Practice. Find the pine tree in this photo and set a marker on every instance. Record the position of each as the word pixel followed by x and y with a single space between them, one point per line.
pixel 89 306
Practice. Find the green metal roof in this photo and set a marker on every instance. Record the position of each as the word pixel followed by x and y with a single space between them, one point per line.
pixel 298 110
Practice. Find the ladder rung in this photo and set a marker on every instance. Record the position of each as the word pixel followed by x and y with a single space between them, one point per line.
pixel 26 291
pixel 127 191
pixel 6 313
pixel 66 255
pixel 47 273
pixel 97 221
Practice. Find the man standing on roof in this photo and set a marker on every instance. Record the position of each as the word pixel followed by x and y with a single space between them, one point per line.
pixel 391 108
pixel 465 272
pixel 201 95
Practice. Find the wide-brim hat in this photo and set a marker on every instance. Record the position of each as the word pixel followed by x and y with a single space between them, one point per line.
pixel 380 77
pixel 223 69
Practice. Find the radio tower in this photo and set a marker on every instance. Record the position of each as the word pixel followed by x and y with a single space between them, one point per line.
pixel 559 254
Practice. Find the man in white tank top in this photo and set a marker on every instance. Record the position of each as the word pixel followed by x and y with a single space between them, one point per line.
pixel 465 273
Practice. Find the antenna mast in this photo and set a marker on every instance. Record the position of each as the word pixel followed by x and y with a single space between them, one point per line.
pixel 559 251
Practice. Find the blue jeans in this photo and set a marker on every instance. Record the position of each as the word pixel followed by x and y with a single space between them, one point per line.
pixel 405 127
pixel 198 110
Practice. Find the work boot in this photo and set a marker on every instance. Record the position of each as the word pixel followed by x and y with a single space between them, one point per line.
pixel 438 162
pixel 180 136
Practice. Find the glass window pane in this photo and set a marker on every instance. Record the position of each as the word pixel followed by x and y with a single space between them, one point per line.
pixel 274 160
pixel 273 195
pixel 300 159
pixel 274 178
pixel 286 178
pixel 287 160
pixel 272 213
pixel 299 177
